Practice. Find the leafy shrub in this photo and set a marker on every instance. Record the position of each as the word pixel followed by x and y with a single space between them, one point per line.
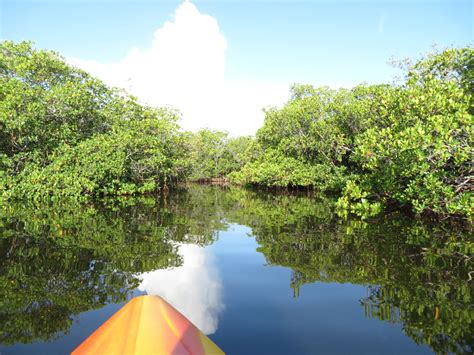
pixel 409 144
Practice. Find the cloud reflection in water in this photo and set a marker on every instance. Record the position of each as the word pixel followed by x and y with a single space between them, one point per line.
pixel 195 288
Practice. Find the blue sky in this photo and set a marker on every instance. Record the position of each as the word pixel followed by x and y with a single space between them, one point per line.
pixel 336 43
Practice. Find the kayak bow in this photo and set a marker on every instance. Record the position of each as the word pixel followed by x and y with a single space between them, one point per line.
pixel 148 325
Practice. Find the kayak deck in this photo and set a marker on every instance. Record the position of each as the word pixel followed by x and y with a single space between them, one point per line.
pixel 148 325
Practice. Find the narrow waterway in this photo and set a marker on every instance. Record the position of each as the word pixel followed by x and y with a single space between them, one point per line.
pixel 259 273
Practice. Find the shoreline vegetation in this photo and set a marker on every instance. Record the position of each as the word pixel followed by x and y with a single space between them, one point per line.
pixel 66 136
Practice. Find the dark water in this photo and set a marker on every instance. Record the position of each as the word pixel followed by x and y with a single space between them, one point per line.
pixel 259 273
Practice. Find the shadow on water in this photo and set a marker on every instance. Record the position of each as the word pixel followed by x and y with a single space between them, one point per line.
pixel 59 261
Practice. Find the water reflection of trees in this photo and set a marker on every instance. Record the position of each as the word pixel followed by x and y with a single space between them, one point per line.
pixel 58 262
pixel 416 274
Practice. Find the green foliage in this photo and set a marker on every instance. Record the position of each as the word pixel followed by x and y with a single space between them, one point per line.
pixel 355 200
pixel 275 169
pixel 45 102
pixel 214 154
pixel 420 151
pixel 138 157
pixel 304 129
pixel 64 134
pixel 409 145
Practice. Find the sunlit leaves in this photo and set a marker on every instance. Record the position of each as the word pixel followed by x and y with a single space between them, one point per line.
pixel 65 135
pixel 408 145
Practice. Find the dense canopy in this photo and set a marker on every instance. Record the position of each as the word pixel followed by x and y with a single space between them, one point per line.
pixel 408 145
pixel 65 135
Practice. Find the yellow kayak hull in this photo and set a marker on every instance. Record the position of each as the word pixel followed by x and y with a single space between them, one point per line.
pixel 148 325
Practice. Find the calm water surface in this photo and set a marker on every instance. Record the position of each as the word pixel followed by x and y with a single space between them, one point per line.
pixel 259 273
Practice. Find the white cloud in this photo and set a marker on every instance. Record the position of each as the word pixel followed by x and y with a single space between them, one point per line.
pixel 185 67
pixel 194 289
